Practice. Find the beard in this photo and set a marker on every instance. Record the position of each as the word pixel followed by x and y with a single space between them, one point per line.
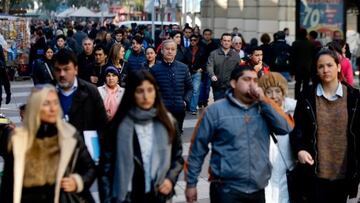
pixel 65 85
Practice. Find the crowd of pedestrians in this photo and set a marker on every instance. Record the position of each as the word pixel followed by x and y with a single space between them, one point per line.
pixel 134 93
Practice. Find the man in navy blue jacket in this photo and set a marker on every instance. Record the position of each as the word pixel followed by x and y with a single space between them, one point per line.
pixel 174 80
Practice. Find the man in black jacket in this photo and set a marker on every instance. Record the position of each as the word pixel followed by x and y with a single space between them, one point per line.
pixel 4 80
pixel 174 80
pixel 80 100
pixel 86 59
pixel 280 56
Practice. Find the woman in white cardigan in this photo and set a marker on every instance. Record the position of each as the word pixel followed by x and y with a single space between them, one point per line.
pixel 111 92
pixel 275 87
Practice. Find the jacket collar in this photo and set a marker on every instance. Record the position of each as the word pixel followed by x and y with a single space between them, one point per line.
pixel 230 97
pixel 19 142
pixel 352 98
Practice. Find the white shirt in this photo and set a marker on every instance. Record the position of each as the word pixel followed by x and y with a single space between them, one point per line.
pixel 320 92
pixel 145 135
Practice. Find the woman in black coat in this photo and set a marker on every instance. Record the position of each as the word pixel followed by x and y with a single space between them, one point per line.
pixel 43 72
pixel 46 160
pixel 142 158
pixel 327 135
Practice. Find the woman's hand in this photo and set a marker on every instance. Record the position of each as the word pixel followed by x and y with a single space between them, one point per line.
pixel 305 158
pixel 68 184
pixel 166 187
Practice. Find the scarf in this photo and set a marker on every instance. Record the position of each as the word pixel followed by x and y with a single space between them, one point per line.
pixel 124 158
pixel 110 102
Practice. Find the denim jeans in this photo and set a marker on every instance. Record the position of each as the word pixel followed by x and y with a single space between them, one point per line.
pixel 221 193
pixel 286 75
pixel 219 94
pixel 204 89
pixel 196 80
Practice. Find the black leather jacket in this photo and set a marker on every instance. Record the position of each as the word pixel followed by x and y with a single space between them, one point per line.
pixel 108 159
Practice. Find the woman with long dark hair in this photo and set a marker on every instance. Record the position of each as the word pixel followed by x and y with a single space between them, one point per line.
pixel 142 157
pixel 327 134
pixel 43 72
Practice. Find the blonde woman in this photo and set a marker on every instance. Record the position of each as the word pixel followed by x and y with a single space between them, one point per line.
pixel 46 161
pixel 116 56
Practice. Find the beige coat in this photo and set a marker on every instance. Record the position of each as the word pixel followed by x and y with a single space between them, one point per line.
pixel 19 142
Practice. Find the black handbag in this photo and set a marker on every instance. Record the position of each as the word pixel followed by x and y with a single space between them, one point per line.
pixel 292 177
pixel 71 197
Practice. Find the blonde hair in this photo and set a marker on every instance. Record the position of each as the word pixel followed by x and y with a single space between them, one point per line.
pixel 273 79
pixel 32 112
pixel 114 53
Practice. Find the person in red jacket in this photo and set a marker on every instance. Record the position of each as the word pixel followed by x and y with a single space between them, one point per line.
pixel 255 60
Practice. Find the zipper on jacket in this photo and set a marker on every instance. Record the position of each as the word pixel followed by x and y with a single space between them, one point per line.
pixel 314 135
pixel 353 135
pixel 249 157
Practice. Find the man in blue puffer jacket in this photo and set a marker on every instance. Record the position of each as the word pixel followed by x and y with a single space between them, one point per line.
pixel 238 128
pixel 174 80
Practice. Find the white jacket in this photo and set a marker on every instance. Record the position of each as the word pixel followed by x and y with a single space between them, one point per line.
pixel 276 191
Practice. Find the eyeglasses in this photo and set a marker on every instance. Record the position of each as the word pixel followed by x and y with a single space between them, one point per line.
pixel 193 40
pixel 238 43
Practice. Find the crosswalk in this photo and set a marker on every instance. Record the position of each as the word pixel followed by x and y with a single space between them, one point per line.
pixel 22 89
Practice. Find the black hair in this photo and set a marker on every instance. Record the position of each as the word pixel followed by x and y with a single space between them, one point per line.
pixel 22 107
pixel 328 51
pixel 207 30
pixel 138 39
pixel 175 32
pixel 281 35
pixel 119 31
pixel 99 47
pixel 134 80
pixel 252 49
pixel 335 45
pixel 150 47
pixel 65 56
pixel 188 27
pixel 239 70
pixel 265 38
pixel 225 34
pixel 194 36
pixel 313 34
pixel 61 36
pixel 332 53
pixel 302 33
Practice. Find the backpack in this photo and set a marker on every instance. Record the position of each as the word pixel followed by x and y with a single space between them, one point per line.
pixel 282 59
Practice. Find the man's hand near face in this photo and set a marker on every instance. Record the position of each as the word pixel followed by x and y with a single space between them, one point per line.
pixel 256 93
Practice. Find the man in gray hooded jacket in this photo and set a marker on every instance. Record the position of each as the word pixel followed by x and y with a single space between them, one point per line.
pixel 238 128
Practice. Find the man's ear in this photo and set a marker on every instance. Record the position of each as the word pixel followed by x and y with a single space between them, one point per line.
pixel 76 70
pixel 233 83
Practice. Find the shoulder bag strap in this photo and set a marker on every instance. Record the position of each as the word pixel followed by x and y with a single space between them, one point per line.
pixel 48 69
pixel 273 136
